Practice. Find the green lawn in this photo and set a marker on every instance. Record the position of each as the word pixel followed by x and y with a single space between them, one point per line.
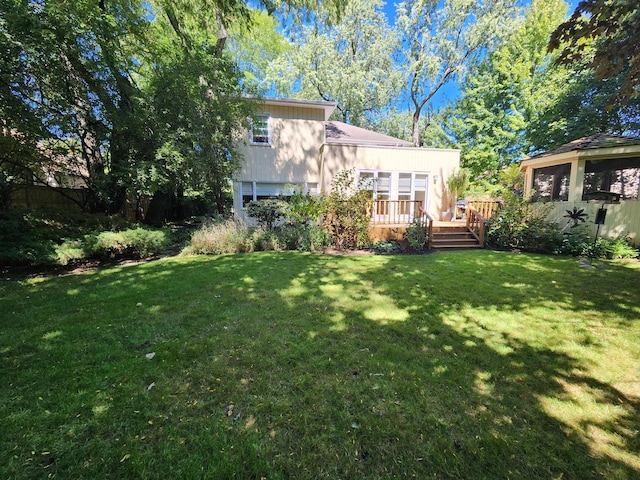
pixel 286 365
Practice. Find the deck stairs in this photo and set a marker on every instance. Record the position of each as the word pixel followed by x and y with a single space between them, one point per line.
pixel 452 236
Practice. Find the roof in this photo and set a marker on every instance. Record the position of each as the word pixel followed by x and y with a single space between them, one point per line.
pixel 339 133
pixel 601 140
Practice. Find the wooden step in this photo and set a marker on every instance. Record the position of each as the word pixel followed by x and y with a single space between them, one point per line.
pixel 453 238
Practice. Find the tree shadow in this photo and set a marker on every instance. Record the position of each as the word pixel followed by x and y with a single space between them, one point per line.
pixel 387 355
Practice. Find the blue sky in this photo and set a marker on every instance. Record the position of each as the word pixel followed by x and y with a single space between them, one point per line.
pixel 450 91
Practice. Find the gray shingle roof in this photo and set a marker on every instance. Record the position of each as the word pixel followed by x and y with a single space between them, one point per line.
pixel 601 140
pixel 342 133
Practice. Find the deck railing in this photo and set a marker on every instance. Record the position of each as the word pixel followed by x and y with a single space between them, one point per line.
pixel 427 220
pixel 477 213
pixel 486 208
pixel 394 212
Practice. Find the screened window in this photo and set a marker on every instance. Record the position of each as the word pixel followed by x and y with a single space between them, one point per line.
pixel 621 176
pixel 260 132
pixel 551 183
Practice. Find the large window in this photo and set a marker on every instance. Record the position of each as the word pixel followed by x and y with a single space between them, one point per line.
pixel 551 183
pixel 260 131
pixel 621 176
pixel 266 190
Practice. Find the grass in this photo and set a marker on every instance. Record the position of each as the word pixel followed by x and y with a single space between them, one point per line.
pixel 290 365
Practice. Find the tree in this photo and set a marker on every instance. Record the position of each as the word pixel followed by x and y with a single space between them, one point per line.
pixel 349 62
pixel 582 107
pixel 439 39
pixel 616 26
pixel 511 88
pixel 145 89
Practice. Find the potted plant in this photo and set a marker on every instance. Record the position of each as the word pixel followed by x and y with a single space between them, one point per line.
pixel 457 185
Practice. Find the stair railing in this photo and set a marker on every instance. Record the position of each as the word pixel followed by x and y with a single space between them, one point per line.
pixel 428 221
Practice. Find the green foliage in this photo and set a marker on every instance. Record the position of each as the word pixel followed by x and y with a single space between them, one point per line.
pixel 615 25
pixel 305 208
pixel 218 237
pixel 49 237
pixel 131 243
pixel 386 247
pixel 454 365
pixel 416 235
pixel 348 211
pixel 233 236
pixel 349 62
pixel 303 237
pixel 523 225
pixel 267 212
pixel 506 92
pixel 458 32
pixel 611 249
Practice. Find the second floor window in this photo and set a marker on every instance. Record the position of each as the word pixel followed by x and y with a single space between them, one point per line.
pixel 260 130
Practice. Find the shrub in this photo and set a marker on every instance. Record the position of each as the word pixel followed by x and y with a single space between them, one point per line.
pixel 416 235
pixel 267 212
pixel 303 237
pixel 611 248
pixel 137 243
pixel 386 247
pixel 347 212
pixel 523 225
pixel 214 238
pixel 304 208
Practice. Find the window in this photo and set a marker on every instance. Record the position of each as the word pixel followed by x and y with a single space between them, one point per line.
pixel 260 132
pixel 250 191
pixel 620 176
pixel 551 183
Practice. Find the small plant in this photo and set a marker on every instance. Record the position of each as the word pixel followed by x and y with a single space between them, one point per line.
pixel 416 235
pixel 386 247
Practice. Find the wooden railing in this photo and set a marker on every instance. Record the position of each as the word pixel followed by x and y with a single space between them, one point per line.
pixel 387 212
pixel 486 208
pixel 428 222
pixel 476 224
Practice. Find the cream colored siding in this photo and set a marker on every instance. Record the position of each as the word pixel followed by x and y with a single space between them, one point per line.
pixel 298 154
pixel 436 162
pixel 622 219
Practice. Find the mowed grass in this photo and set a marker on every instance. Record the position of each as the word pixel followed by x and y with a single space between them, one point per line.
pixel 298 366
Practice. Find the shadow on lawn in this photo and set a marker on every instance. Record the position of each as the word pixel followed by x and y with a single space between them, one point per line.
pixel 385 370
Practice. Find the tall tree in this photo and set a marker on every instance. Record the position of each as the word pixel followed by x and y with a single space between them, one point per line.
pixel 615 24
pixel 439 39
pixel 502 99
pixel 144 87
pixel 349 62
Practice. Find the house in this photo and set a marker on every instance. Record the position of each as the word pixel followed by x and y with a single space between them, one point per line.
pixel 599 171
pixel 293 143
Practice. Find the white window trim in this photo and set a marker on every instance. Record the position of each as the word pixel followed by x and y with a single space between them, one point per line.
pixel 251 136
pixel 254 190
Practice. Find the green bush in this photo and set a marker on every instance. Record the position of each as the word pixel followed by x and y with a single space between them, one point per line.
pixel 386 247
pixel 523 225
pixel 267 212
pixel 348 208
pixel 135 243
pixel 416 235
pixel 49 237
pixel 303 237
pixel 611 248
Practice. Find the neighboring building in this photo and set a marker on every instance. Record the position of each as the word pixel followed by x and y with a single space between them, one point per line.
pixel 583 172
pixel 293 143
